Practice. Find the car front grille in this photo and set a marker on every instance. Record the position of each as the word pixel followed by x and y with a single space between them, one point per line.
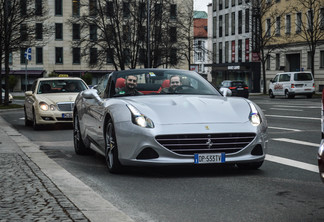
pixel 66 106
pixel 205 143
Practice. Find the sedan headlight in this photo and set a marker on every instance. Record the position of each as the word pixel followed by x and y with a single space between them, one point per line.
pixel 254 115
pixel 140 119
pixel 44 106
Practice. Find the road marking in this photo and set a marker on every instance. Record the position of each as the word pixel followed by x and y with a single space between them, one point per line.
pixel 294 110
pixel 304 106
pixel 280 128
pixel 293 163
pixel 296 142
pixel 294 117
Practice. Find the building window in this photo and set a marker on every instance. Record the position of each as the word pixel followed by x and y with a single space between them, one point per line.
pixel 110 56
pixel 220 32
pixel 23 8
pixel 214 27
pixel 93 32
pixel 126 10
pixel 22 55
pixel 58 7
pixel 58 31
pixel 93 7
pixel 288 24
pixel 39 31
pixel 214 5
pixel 38 7
pixel 247 20
pixel 278 26
pixel 322 18
pixel 240 22
pixel 268 62
pixel 76 32
pixel 310 19
pixel 173 56
pixel 93 56
pixel 309 60
pixel 76 7
pixel 277 61
pixel 268 28
pixel 233 23
pixel 110 9
pixel 239 2
pixel 76 53
pixel 214 53
pixel 173 11
pixel 10 58
pixel 322 59
pixel 226 51
pixel 226 3
pixel 233 2
pixel 142 56
pixel 226 24
pixel 239 50
pixel 220 53
pixel 158 11
pixel 173 34
pixel 59 55
pixel 220 5
pixel 298 22
pixel 23 32
pixel 39 55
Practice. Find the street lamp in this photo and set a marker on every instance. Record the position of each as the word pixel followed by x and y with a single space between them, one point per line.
pixel 148 34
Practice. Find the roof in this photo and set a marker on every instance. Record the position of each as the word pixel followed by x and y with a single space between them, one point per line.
pixel 200 14
pixel 200 28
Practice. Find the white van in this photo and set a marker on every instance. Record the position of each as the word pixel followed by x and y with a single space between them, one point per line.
pixel 289 84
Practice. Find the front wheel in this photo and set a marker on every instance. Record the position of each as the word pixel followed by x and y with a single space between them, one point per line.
pixel 27 121
pixel 35 124
pixel 111 149
pixel 288 96
pixel 271 94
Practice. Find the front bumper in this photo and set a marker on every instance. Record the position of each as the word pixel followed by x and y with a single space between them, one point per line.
pixel 53 117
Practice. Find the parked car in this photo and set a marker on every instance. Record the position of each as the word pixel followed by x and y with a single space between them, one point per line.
pixel 3 96
pixel 320 156
pixel 192 124
pixel 237 87
pixel 51 100
pixel 290 84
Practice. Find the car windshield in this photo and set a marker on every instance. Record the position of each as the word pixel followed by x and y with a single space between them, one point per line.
pixel 237 84
pixel 158 82
pixel 303 76
pixel 60 86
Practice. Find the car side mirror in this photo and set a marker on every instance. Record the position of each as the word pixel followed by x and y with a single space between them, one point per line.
pixel 91 94
pixel 28 93
pixel 226 92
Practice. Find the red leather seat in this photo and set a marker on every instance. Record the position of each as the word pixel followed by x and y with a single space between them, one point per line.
pixel 120 83
pixel 165 84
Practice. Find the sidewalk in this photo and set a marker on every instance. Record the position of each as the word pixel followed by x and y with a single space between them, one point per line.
pixel 35 188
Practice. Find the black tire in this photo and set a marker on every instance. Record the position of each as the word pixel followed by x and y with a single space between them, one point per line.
pixel 250 166
pixel 27 121
pixel 79 146
pixel 288 96
pixel 111 149
pixel 35 124
pixel 271 94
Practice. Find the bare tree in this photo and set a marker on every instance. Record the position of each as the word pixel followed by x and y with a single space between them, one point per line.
pixel 17 26
pixel 266 27
pixel 311 29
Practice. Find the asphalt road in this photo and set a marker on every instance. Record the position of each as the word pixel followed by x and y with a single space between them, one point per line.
pixel 286 188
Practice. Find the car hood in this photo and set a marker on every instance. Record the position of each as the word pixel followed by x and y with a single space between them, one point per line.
pixel 57 97
pixel 182 109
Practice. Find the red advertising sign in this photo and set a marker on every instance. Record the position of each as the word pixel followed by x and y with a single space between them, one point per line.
pixel 233 51
pixel 247 50
pixel 255 57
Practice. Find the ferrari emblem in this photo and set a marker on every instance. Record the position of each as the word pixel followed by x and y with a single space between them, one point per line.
pixel 206 127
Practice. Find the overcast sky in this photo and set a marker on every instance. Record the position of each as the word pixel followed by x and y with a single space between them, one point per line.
pixel 201 5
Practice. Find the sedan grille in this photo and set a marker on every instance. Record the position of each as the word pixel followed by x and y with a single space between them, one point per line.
pixel 66 106
pixel 206 143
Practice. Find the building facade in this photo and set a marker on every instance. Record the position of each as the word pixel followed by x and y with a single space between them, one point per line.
pixel 56 54
pixel 231 43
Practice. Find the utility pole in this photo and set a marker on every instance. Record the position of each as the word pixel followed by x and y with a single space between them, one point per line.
pixel 148 34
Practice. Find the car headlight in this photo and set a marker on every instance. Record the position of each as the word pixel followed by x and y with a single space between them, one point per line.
pixel 254 115
pixel 139 119
pixel 43 106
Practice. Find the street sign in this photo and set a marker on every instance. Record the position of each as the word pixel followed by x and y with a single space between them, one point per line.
pixel 28 54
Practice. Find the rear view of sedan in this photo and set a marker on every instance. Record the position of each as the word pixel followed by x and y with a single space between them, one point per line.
pixel 238 87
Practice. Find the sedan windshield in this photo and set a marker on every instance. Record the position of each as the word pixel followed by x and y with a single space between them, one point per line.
pixel 159 82
pixel 61 86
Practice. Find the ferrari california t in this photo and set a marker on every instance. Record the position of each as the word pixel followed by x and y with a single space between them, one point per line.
pixel 160 117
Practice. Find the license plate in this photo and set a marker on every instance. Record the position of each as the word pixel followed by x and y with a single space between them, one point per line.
pixel 239 88
pixel 307 89
pixel 66 115
pixel 203 158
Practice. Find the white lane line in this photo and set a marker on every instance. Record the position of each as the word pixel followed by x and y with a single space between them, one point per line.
pixel 294 117
pixel 294 110
pixel 296 142
pixel 293 163
pixel 280 128
pixel 301 105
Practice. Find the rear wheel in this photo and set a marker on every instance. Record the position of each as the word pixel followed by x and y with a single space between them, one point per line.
pixel 250 166
pixel 79 146
pixel 111 149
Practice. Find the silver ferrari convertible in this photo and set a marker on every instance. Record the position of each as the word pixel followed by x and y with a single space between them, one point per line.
pixel 158 117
